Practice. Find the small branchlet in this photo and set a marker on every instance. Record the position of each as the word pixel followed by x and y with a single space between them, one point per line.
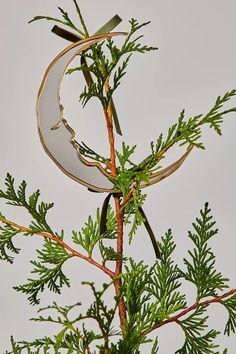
pixel 106 67
pixel 147 296
pixel 49 272
pixel 7 232
pixel 66 21
pixel 37 210
pixel 201 265
pixel 188 132
pixel 196 341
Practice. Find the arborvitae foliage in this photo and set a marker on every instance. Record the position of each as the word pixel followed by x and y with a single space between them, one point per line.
pixel 230 305
pixel 6 242
pixel 103 66
pixel 152 294
pixel 197 341
pixel 201 266
pixel 146 297
pixel 37 210
pixel 48 271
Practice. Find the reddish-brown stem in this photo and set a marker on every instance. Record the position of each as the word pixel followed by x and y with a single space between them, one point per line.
pixel 56 239
pixel 109 122
pixel 111 143
pixel 120 216
pixel 126 200
pixel 119 263
pixel 120 222
pixel 175 318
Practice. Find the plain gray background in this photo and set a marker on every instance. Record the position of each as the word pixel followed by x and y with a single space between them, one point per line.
pixel 195 63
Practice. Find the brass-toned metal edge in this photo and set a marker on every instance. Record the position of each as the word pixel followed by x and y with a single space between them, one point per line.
pixel 93 39
pixel 68 127
pixel 88 185
pixel 172 168
pixel 107 27
pixel 156 174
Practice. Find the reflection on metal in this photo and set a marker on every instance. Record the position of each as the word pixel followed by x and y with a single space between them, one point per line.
pixel 58 137
pixel 161 174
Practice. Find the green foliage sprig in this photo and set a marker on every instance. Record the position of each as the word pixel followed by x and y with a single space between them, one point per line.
pixel 147 296
pixel 152 296
pixel 201 266
pixel 18 198
pixel 66 21
pixel 166 281
pixel 103 66
pixel 195 340
pixel 6 242
pixel 53 277
pixel 230 305
pixel 188 132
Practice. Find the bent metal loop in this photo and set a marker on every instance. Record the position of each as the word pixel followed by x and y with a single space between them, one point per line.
pixel 58 137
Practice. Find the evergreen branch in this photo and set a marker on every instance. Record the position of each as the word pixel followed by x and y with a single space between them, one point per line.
pixel 97 311
pixel 90 235
pixel 133 210
pixel 85 150
pixel 128 182
pixel 81 18
pixel 175 318
pixel 140 284
pixel 155 347
pixel 126 200
pixel 62 311
pixel 134 287
pixel 141 312
pixel 201 266
pixel 53 278
pixel 103 66
pixel 48 269
pixel 166 280
pixel 214 118
pixel 15 347
pixel 56 239
pixel 109 254
pixel 18 198
pixel 101 314
pixel 131 45
pixel 70 337
pixel 71 342
pixel 66 20
pixel 69 22
pixel 68 325
pixel 37 18
pixel 196 341
pixel 118 74
pixel 119 216
pixel 7 232
pixel 188 132
pixel 230 305
pixel 124 156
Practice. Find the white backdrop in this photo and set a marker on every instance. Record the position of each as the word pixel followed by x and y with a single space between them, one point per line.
pixel 195 63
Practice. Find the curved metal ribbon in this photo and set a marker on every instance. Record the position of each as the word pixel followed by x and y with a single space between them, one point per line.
pixel 69 36
pixel 58 138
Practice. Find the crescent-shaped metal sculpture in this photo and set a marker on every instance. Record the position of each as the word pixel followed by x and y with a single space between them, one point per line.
pixel 58 137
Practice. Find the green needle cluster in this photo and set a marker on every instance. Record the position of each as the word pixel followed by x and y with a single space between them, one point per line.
pixel 151 295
